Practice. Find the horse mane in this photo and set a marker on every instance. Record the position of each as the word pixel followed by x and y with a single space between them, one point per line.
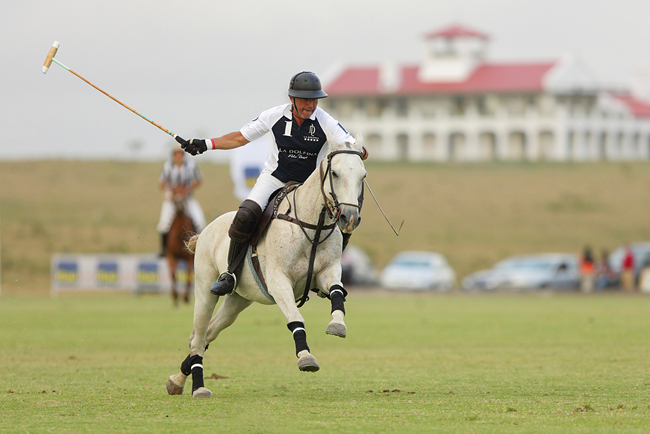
pixel 190 244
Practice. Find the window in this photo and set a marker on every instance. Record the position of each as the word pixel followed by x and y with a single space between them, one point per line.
pixel 375 108
pixel 401 108
pixel 457 108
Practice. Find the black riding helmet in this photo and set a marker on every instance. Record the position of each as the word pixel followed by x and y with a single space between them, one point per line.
pixel 306 85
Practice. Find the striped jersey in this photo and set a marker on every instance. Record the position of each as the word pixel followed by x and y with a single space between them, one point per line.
pixel 184 174
pixel 298 148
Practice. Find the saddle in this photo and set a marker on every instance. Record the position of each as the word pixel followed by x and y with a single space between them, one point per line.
pixel 271 210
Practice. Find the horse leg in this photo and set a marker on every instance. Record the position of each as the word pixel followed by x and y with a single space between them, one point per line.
pixel 226 315
pixel 337 327
pixel 331 278
pixel 171 261
pixel 188 282
pixel 296 324
pixel 204 304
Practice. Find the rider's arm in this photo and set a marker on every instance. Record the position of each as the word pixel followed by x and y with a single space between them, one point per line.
pixel 199 146
pixel 229 141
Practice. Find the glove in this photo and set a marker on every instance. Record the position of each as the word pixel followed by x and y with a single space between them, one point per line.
pixel 193 146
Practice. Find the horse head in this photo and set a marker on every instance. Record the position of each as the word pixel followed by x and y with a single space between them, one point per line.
pixel 179 203
pixel 342 183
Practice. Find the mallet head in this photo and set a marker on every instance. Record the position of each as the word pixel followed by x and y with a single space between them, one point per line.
pixel 50 56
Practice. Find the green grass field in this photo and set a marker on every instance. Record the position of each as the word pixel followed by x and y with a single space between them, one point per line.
pixel 412 363
pixel 498 363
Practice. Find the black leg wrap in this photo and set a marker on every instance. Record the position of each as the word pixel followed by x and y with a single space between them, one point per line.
pixel 196 367
pixel 299 335
pixel 337 296
pixel 185 366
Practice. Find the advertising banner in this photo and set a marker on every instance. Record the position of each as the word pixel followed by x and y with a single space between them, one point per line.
pixel 131 273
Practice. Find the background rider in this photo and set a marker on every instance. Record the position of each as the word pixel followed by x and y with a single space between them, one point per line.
pixel 178 178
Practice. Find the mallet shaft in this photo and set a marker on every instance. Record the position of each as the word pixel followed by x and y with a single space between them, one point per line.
pixel 119 102
pixel 50 58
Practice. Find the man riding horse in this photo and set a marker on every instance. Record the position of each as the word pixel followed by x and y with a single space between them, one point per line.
pixel 299 134
pixel 178 178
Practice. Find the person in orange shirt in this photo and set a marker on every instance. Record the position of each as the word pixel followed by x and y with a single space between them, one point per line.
pixel 587 268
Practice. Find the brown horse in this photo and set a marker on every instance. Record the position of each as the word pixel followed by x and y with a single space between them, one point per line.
pixel 180 232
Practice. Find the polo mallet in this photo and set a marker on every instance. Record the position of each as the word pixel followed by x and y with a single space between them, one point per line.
pixel 50 58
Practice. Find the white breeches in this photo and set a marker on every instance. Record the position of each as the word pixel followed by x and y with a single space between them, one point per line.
pixel 192 209
pixel 264 187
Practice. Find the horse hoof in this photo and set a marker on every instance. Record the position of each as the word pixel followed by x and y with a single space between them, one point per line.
pixel 173 388
pixel 201 392
pixel 308 364
pixel 337 330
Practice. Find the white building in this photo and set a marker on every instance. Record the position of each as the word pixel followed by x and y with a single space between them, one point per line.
pixel 458 106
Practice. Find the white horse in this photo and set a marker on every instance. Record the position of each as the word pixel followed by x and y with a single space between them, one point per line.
pixel 330 196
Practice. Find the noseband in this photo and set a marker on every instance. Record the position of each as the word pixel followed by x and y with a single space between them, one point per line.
pixel 334 206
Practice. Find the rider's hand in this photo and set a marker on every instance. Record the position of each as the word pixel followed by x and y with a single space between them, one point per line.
pixel 193 146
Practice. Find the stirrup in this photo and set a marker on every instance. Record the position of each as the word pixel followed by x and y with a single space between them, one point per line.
pixel 225 284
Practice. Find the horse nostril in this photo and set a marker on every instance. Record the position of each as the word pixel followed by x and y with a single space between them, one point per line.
pixel 344 219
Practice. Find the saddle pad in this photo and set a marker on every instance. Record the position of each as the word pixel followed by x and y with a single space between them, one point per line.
pixel 260 285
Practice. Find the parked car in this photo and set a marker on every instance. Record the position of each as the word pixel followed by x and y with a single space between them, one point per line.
pixel 548 270
pixel 418 270
pixel 356 267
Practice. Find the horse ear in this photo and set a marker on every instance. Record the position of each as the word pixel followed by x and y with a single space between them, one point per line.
pixel 358 142
pixel 333 145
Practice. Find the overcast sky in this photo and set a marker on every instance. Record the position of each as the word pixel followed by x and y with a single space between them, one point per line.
pixel 205 68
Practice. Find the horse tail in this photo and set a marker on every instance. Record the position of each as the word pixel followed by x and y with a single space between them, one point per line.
pixel 190 244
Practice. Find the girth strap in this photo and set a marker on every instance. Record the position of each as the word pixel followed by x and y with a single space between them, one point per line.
pixel 312 257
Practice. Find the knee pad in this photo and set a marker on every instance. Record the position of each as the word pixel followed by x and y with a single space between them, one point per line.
pixel 245 221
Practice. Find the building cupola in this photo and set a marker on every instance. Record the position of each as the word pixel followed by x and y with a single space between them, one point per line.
pixel 451 54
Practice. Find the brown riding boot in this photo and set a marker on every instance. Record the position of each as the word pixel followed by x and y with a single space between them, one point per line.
pixel 163 244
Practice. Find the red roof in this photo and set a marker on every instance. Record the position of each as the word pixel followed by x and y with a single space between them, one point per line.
pixel 638 108
pixel 455 31
pixel 507 77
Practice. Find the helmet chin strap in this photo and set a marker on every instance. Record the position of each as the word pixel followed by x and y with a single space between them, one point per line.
pixel 294 110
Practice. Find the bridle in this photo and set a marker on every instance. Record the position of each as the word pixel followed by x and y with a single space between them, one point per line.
pixel 334 206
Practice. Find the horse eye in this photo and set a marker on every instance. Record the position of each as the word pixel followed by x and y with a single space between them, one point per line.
pixel 334 174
